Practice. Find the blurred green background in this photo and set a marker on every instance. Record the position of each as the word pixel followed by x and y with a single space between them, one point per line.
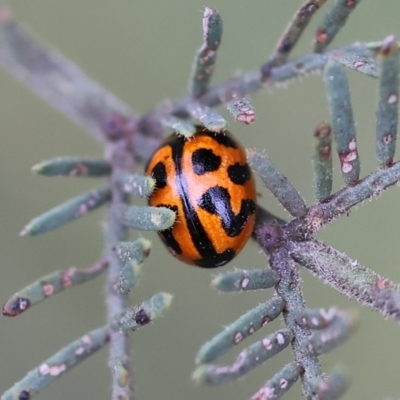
pixel 142 51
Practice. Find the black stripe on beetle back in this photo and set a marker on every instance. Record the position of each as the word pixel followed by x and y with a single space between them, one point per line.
pixel 167 235
pixel 204 160
pixel 239 174
pixel 217 260
pixel 217 201
pixel 209 257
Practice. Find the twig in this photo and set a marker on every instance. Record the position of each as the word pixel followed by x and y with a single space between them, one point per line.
pixel 292 34
pixel 56 79
pixel 290 290
pixel 64 86
pixel 120 346
pixel 342 202
pixel 50 285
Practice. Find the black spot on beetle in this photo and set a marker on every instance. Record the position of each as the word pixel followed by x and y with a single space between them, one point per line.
pixel 239 174
pixel 159 173
pixel 217 201
pixel 204 160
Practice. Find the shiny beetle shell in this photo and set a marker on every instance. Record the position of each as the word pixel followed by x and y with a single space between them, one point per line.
pixel 206 180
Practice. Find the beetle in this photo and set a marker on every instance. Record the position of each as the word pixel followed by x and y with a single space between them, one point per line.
pixel 207 182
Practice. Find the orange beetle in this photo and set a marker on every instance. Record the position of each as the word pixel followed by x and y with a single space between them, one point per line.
pixel 206 180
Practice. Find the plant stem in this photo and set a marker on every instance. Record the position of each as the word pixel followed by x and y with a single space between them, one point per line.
pixel 116 302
